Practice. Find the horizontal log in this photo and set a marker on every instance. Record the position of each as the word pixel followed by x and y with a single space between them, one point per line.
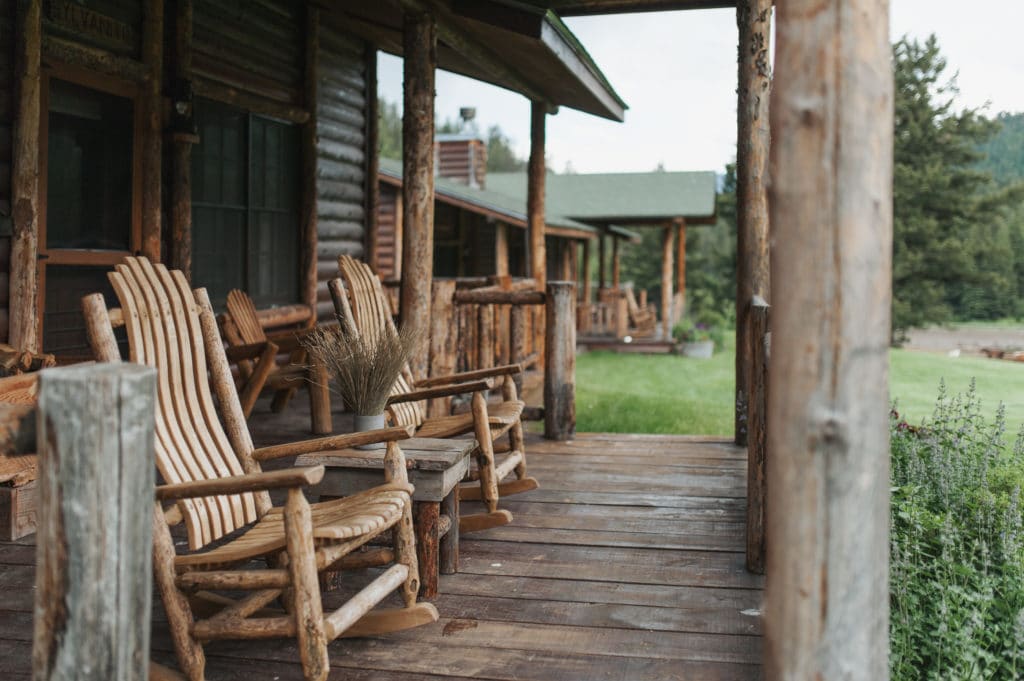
pixel 499 297
pixel 324 444
pixel 284 315
pixel 504 370
pixel 442 391
pixel 238 484
pixel 228 95
pixel 92 58
pixel 233 580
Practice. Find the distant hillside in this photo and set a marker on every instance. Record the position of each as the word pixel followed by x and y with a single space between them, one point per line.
pixel 1005 151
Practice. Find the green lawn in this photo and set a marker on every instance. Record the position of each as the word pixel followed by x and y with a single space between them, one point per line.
pixel 670 394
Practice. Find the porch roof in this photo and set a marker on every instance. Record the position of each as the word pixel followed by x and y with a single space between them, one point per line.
pixel 622 198
pixel 581 7
pixel 490 203
pixel 516 46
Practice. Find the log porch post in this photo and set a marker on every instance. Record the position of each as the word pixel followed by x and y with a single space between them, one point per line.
pixel 601 279
pixel 537 171
pixel 587 291
pixel 679 307
pixel 827 596
pixel 615 262
pixel 310 96
pixel 420 47
pixel 181 166
pixel 153 128
pixel 666 281
pixel 24 320
pixel 753 18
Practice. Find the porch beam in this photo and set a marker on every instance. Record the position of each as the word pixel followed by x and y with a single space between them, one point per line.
pixel 753 18
pixel 666 280
pixel 827 597
pixel 419 36
pixel 24 319
pixel 153 128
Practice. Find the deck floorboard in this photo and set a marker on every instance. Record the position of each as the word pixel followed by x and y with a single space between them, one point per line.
pixel 626 565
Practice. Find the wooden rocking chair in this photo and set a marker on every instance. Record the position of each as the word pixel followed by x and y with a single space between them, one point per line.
pixel 643 320
pixel 361 304
pixel 256 356
pixel 214 477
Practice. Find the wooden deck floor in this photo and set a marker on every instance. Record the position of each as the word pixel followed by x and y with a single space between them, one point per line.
pixel 626 565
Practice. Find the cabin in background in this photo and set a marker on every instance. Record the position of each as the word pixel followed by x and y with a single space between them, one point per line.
pixel 233 140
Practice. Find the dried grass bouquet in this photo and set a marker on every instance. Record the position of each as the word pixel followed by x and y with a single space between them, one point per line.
pixel 365 370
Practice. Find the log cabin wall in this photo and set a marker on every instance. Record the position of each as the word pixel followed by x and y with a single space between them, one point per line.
pixel 6 131
pixel 341 155
pixel 386 244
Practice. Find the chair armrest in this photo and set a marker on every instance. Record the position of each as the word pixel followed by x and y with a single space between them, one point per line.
pixel 237 484
pixel 442 391
pixel 287 341
pixel 504 370
pixel 324 444
pixel 238 353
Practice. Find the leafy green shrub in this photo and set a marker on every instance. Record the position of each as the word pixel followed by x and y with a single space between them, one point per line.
pixel 707 326
pixel 957 559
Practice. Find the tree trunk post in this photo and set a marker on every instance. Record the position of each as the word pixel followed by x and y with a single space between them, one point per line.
pixel 181 180
pixel 372 181
pixel 666 281
pixel 24 321
pixel 310 96
pixel 615 262
pixel 420 40
pixel 153 128
pixel 679 299
pixel 560 361
pixel 827 595
pixel 602 280
pixel 757 438
pixel 95 543
pixel 535 215
pixel 753 18
pixel 443 341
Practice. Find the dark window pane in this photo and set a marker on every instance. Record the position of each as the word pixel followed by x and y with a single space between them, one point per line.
pixel 63 324
pixel 89 169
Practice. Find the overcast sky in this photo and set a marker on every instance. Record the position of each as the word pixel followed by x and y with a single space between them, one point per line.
pixel 677 73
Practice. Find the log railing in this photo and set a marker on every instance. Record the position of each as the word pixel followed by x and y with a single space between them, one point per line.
pixel 757 436
pixel 480 326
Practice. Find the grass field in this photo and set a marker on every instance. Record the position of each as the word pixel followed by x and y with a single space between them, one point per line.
pixel 670 394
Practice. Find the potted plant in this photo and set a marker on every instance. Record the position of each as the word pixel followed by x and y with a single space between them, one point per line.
pixel 364 371
pixel 696 338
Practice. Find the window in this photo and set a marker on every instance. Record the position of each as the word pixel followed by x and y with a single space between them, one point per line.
pixel 245 206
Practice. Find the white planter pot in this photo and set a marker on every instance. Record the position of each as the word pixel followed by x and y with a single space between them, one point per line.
pixel 373 422
pixel 698 350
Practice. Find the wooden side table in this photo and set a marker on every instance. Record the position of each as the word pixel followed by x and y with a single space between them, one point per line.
pixel 435 468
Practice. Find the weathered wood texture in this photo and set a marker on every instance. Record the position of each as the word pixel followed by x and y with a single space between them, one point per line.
pixel 24 323
pixel 181 145
pixel 560 361
pixel 387 237
pixel 310 156
pixel 94 584
pixel 757 433
pixel 679 299
pixel 372 130
pixel 443 342
pixel 753 18
pixel 635 574
pixel 341 172
pixel 826 608
pixel 420 40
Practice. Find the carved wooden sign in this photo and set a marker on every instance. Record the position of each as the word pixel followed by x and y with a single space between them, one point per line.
pixel 92 26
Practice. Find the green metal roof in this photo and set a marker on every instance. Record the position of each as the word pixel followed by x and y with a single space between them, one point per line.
pixel 623 198
pixel 514 208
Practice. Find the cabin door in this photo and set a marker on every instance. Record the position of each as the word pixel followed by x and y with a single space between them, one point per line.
pixel 90 189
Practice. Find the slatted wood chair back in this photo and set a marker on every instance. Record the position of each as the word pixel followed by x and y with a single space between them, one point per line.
pixel 631 304
pixel 371 313
pixel 243 314
pixel 165 330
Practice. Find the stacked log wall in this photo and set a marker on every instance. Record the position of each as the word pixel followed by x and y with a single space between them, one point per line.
pixel 6 143
pixel 341 155
pixel 386 242
pixel 254 48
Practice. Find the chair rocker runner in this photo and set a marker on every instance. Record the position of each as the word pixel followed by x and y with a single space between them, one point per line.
pixel 361 304
pixel 213 474
pixel 255 353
